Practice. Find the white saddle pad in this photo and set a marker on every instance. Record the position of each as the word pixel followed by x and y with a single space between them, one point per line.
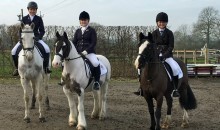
pixel 102 68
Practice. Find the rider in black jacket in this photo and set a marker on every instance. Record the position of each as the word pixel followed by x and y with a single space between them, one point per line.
pixel 164 39
pixel 38 33
pixel 85 39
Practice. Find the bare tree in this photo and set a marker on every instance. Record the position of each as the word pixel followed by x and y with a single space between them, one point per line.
pixel 183 37
pixel 206 23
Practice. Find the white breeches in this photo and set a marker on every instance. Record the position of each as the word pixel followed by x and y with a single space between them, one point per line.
pixel 93 59
pixel 175 67
pixel 13 51
pixel 46 47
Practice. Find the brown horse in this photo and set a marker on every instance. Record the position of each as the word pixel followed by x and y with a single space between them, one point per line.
pixel 156 83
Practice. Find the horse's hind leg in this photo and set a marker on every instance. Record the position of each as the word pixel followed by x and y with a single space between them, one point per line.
pixel 96 104
pixel 103 98
pixel 167 120
pixel 33 101
pixel 46 80
pixel 185 123
pixel 25 85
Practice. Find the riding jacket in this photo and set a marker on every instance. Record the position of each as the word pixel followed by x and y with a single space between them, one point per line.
pixel 86 41
pixel 165 42
pixel 39 25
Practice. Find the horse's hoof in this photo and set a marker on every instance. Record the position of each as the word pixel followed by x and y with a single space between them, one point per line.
pixel 81 128
pixel 48 108
pixel 152 128
pixel 42 120
pixel 27 120
pixel 165 126
pixel 185 125
pixel 72 123
pixel 32 107
pixel 101 118
pixel 94 116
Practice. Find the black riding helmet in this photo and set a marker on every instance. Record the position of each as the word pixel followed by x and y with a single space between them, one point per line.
pixel 84 15
pixel 32 4
pixel 162 17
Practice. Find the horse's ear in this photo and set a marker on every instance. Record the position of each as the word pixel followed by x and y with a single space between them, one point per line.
pixel 141 36
pixel 22 25
pixel 150 36
pixel 57 34
pixel 32 25
pixel 65 35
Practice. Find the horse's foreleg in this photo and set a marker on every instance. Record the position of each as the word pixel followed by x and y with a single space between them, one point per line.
pixel 151 111
pixel 81 117
pixel 25 85
pixel 103 98
pixel 185 122
pixel 40 92
pixel 158 112
pixel 72 105
pixel 167 120
pixel 96 104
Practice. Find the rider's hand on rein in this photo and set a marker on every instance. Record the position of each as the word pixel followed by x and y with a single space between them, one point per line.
pixel 84 52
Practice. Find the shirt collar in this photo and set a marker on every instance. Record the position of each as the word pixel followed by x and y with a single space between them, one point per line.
pixel 31 17
pixel 84 28
pixel 161 29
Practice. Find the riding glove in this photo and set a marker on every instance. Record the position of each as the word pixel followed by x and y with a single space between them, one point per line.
pixel 84 52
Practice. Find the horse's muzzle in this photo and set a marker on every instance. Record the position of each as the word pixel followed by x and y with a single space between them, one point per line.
pixel 56 62
pixel 29 55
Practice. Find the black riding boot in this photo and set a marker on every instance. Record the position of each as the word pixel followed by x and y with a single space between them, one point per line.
pixel 97 73
pixel 15 59
pixel 46 63
pixel 175 92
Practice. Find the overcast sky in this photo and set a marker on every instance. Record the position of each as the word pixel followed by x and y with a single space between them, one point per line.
pixel 109 12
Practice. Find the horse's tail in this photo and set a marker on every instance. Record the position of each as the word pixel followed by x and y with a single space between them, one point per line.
pixel 188 100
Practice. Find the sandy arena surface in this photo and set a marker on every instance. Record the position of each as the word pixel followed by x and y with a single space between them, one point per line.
pixel 125 111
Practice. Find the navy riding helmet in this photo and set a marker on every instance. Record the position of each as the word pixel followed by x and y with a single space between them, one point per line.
pixel 162 17
pixel 84 15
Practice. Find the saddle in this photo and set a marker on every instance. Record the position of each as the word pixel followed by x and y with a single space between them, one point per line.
pixel 40 48
pixel 169 71
pixel 91 69
pixel 89 64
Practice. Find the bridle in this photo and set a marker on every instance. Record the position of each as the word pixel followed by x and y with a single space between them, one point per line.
pixel 28 48
pixel 147 60
pixel 64 57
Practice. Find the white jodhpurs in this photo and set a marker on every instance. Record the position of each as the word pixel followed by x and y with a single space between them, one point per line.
pixel 13 51
pixel 46 47
pixel 93 59
pixel 175 67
